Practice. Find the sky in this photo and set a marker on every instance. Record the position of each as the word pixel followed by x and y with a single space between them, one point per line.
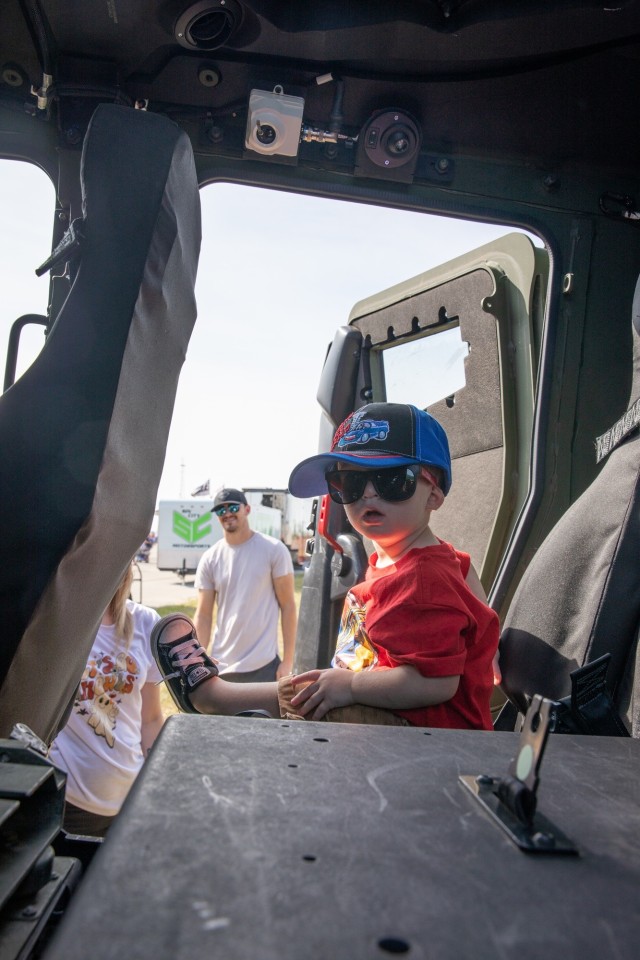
pixel 278 274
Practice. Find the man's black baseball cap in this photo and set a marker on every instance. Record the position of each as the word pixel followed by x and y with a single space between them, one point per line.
pixel 228 495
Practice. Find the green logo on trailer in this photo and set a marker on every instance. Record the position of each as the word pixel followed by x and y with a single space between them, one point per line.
pixel 191 530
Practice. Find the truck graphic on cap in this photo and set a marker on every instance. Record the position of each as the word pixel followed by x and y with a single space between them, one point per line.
pixel 364 430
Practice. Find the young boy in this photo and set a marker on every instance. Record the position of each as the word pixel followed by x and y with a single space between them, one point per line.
pixel 417 638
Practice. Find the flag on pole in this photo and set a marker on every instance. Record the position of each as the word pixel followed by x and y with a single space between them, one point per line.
pixel 202 491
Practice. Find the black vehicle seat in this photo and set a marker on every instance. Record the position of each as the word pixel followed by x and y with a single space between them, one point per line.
pixel 84 430
pixel 580 597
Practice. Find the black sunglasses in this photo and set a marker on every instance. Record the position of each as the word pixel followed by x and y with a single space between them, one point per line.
pixel 392 483
pixel 226 508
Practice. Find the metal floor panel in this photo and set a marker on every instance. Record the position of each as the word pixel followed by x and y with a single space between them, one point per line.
pixel 265 840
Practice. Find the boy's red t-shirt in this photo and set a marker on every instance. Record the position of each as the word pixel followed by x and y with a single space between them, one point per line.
pixel 420 612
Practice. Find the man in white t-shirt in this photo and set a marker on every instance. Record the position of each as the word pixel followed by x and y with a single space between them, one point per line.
pixel 250 576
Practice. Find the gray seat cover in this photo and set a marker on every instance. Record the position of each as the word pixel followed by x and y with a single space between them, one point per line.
pixel 580 596
pixel 84 430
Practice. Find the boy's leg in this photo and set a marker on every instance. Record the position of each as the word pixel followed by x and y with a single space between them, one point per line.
pixel 356 713
pixel 361 713
pixel 193 682
pixel 192 676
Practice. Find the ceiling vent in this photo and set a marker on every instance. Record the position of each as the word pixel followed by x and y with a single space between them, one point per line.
pixel 209 24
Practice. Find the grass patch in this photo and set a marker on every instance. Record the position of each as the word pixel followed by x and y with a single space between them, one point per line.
pixel 188 609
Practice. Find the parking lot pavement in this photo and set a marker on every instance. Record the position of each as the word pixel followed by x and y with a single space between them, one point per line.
pixel 158 588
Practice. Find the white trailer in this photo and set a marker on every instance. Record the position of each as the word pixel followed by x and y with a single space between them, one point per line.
pixel 186 528
pixel 294 516
pixel 264 518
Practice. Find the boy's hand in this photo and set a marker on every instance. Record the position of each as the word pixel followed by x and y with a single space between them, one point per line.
pixel 324 690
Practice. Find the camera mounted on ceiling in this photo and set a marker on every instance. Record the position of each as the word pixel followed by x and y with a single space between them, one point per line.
pixel 388 146
pixel 274 122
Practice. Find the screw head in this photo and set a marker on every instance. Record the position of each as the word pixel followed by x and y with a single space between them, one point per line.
pixel 546 840
pixel 484 780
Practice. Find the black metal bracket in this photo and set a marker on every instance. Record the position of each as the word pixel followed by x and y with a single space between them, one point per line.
pixel 68 249
pixel 511 801
pixel 619 206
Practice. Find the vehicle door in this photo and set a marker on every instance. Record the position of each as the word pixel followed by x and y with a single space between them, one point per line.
pixel 463 341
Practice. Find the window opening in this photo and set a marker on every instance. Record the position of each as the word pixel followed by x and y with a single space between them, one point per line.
pixel 426 370
pixel 278 274
pixel 27 200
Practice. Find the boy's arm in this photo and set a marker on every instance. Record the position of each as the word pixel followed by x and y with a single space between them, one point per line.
pixel 474 584
pixel 395 688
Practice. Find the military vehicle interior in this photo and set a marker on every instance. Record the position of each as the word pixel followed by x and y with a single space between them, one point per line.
pixel 514 114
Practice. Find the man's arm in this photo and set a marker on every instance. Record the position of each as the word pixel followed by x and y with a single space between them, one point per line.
pixel 285 595
pixel 203 618
pixel 395 688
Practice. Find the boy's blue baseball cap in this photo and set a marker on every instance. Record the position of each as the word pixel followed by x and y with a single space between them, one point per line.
pixel 378 435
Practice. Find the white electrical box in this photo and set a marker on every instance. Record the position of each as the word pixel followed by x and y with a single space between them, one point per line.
pixel 274 122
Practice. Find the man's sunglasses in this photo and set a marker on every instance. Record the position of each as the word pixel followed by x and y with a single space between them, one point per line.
pixel 393 483
pixel 226 508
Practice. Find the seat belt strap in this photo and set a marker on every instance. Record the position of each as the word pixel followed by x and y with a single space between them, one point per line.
pixel 614 436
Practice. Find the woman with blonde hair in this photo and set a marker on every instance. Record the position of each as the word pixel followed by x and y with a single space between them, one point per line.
pixel 115 717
